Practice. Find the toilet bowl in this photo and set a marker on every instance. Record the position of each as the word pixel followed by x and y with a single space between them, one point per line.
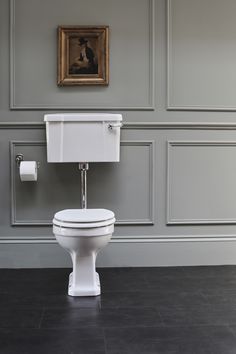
pixel 83 233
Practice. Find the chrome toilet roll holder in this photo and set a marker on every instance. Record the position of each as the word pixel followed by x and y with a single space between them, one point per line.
pixel 20 157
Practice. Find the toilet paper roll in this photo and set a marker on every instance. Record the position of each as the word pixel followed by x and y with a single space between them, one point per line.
pixel 28 171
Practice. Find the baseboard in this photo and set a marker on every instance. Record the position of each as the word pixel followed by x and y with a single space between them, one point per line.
pixel 124 254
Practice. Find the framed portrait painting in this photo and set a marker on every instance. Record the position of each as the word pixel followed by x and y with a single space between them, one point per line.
pixel 83 56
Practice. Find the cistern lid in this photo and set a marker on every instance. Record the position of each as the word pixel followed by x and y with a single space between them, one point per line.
pixel 82 117
pixel 84 215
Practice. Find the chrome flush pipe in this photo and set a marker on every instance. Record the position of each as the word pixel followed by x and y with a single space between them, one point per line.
pixel 83 167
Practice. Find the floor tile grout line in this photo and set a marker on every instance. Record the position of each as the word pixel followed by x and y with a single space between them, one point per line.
pixel 104 340
pixel 162 320
pixel 229 326
pixel 41 318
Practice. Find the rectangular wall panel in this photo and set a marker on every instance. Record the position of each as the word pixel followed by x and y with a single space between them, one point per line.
pixel 125 187
pixel 201 182
pixel 201 54
pixel 34 54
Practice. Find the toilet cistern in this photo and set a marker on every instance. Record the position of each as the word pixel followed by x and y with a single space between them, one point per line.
pixel 83 138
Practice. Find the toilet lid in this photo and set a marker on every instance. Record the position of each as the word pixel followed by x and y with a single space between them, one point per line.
pixel 84 217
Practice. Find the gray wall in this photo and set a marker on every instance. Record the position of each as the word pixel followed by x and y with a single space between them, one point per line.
pixel 172 76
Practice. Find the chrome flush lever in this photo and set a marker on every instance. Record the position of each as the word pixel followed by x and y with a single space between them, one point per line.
pixel 111 126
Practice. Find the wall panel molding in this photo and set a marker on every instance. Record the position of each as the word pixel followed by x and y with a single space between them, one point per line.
pixel 126 239
pixel 135 222
pixel 14 172
pixel 22 125
pixel 179 126
pixel 170 105
pixel 170 220
pixel 63 106
pixel 137 125
pixel 151 193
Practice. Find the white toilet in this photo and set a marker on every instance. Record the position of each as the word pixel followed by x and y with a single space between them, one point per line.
pixel 89 137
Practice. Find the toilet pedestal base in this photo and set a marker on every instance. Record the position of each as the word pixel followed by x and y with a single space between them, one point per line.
pixel 93 290
pixel 83 245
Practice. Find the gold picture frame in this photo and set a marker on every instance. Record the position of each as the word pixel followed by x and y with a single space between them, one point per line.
pixel 83 55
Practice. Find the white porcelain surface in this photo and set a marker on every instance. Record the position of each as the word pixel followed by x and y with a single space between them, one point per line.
pixel 84 215
pixel 84 225
pixel 73 231
pixel 83 246
pixel 82 117
pixel 83 137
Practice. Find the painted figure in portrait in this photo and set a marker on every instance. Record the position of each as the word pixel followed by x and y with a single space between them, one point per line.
pixel 83 56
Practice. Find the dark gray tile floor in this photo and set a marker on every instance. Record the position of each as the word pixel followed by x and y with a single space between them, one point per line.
pixel 182 310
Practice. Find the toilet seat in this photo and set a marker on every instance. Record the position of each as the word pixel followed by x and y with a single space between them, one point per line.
pixel 84 218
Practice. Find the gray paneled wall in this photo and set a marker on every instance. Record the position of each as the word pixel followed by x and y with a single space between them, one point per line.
pixel 202 53
pixel 131 54
pixel 201 178
pixel 109 185
pixel 174 189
